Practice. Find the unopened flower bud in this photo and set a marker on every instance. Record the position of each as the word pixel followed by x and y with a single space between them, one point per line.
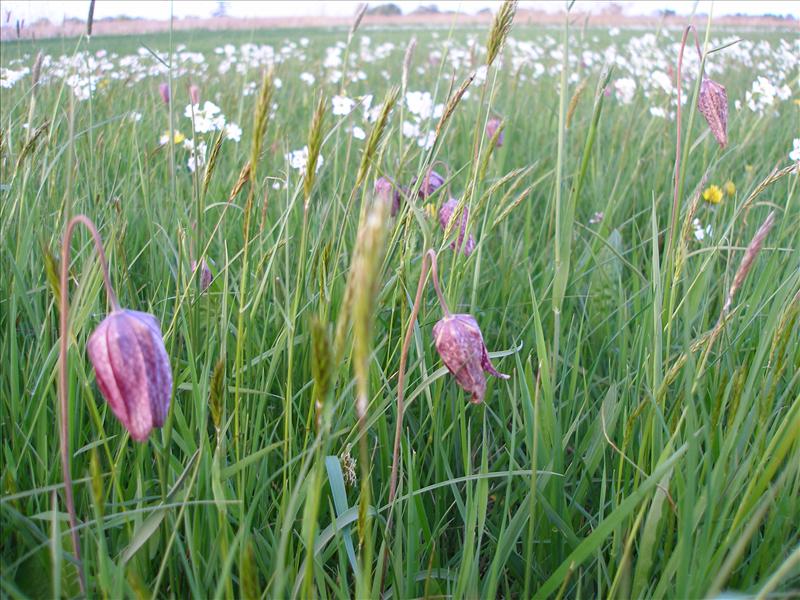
pixel 163 89
pixel 194 94
pixel 446 215
pixel 387 192
pixel 132 370
pixel 713 104
pixel 431 182
pixel 205 274
pixel 492 126
pixel 460 344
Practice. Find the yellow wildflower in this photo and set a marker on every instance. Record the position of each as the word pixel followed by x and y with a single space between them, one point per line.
pixel 177 138
pixel 730 188
pixel 430 210
pixel 713 194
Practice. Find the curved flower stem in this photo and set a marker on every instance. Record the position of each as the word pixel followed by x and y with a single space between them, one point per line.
pixel 442 302
pixel 63 392
pixel 428 262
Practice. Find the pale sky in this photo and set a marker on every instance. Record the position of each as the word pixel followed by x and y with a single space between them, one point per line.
pixel 32 10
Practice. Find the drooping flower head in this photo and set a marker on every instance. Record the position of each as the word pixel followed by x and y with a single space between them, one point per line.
pixel 713 105
pixel 132 370
pixel 194 94
pixel 446 215
pixel 385 190
pixel 460 344
pixel 431 182
pixel 492 125
pixel 163 89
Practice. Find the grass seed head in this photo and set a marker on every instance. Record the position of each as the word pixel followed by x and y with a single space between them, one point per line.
pixel 314 147
pixel 244 177
pixel 96 474
pixel 376 134
pixel 36 72
pixel 211 163
pixel 447 218
pixel 753 248
pixel 500 29
pixel 407 62
pixel 365 276
pixel 321 365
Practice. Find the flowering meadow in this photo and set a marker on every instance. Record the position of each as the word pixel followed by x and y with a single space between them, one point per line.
pixel 503 311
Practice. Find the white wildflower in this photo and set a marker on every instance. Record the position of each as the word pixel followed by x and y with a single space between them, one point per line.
pixel 342 105
pixel 794 155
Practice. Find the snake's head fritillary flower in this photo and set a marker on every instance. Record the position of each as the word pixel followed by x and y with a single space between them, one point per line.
pixel 492 125
pixel 431 182
pixel 459 342
pixel 205 274
pixel 132 370
pixel 163 89
pixel 713 104
pixel 446 215
pixel 386 191
pixel 194 94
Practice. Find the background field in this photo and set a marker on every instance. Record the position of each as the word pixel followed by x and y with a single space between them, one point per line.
pixel 641 448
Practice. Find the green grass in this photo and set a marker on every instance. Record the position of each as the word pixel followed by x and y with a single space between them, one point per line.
pixel 631 454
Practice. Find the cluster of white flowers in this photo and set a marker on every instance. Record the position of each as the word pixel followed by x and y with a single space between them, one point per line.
pixel 197 154
pixel 205 119
pixel 82 85
pixel 344 106
pixel 210 118
pixel 762 95
pixel 700 232
pixel 625 88
pixel 298 159
pixel 421 106
pixel 9 77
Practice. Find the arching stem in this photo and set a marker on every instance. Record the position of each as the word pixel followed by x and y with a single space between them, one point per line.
pixel 428 262
pixel 63 390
